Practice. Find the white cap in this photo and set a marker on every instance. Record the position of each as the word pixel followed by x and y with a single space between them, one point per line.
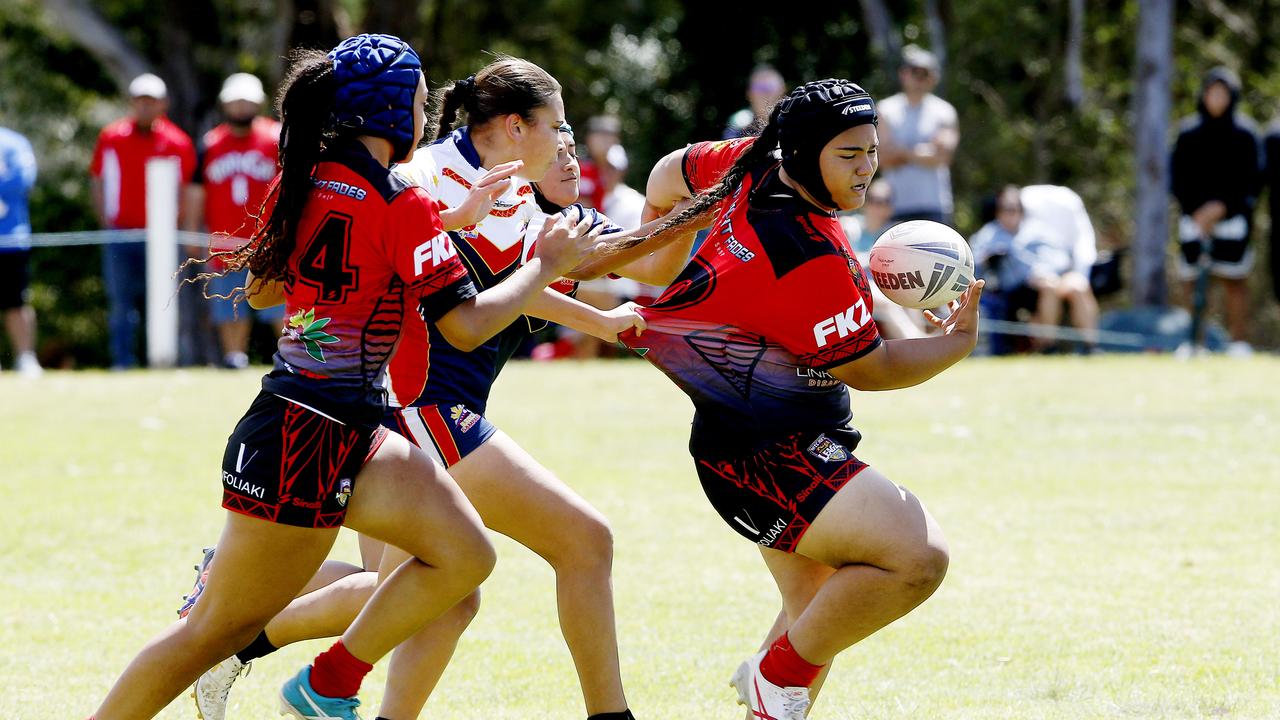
pixel 616 157
pixel 242 86
pixel 148 85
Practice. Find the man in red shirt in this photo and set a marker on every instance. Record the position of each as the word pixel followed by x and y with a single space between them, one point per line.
pixel 238 160
pixel 119 189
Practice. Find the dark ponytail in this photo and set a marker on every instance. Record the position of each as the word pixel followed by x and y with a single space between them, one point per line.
pixel 761 151
pixel 449 103
pixel 305 104
pixel 508 85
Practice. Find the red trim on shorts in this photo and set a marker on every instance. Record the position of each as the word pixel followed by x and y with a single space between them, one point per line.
pixel 403 427
pixel 798 527
pixel 440 434
pixel 379 437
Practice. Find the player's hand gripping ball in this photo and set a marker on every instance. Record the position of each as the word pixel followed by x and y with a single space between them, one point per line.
pixel 921 264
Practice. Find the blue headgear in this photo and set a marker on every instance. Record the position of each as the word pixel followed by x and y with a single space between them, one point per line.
pixel 376 77
pixel 809 117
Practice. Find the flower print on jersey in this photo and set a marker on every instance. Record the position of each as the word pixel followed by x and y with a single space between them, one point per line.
pixel 305 328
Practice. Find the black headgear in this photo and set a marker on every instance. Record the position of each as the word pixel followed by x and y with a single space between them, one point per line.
pixel 809 117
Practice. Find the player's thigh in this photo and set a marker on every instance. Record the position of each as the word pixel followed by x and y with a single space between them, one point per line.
pixel 873 521
pixel 403 498
pixel 259 568
pixel 520 498
pixel 798 578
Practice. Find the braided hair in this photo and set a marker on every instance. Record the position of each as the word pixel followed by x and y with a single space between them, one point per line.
pixel 800 125
pixel 305 105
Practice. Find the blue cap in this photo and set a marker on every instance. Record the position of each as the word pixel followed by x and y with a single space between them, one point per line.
pixel 377 77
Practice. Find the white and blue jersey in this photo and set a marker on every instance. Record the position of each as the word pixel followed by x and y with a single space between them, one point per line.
pixel 443 391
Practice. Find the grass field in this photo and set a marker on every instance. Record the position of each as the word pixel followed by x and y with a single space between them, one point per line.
pixel 1114 526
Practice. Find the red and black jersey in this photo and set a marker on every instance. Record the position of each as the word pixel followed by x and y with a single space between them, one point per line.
pixel 368 246
pixel 120 162
pixel 236 171
pixel 771 301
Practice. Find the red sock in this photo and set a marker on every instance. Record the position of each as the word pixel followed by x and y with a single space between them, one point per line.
pixel 784 667
pixel 337 673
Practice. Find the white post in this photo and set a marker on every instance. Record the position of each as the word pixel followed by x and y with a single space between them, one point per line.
pixel 162 261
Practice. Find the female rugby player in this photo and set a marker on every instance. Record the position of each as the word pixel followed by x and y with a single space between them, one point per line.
pixel 345 245
pixel 764 329
pixel 515 118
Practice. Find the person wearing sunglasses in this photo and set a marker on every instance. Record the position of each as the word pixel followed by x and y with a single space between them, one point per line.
pixel 918 137
pixel 764 89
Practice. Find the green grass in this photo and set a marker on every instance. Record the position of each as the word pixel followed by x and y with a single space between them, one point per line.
pixel 1114 526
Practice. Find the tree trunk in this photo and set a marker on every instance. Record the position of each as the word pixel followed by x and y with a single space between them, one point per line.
pixel 1074 60
pixel 79 20
pixel 178 63
pixel 937 35
pixel 884 41
pixel 397 17
pixel 1151 108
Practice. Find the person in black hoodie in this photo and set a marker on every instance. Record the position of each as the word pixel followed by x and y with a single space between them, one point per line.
pixel 1271 145
pixel 1216 178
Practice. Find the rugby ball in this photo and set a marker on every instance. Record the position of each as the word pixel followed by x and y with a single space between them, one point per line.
pixel 921 264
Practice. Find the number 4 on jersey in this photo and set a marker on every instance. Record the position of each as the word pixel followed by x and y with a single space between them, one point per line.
pixel 323 264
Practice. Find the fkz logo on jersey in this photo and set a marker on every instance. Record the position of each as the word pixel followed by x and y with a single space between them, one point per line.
pixel 842 324
pixel 436 251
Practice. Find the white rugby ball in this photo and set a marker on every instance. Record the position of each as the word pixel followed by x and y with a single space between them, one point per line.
pixel 921 264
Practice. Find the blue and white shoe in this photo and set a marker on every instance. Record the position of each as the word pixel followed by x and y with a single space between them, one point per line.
pixel 202 576
pixel 298 700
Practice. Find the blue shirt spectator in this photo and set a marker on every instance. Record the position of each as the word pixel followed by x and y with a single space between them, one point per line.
pixel 17 177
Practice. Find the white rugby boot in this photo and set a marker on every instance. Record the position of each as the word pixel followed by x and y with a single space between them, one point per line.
pixel 765 700
pixel 213 687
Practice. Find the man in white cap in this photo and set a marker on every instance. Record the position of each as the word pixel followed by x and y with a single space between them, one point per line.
pixel 918 137
pixel 119 191
pixel 238 160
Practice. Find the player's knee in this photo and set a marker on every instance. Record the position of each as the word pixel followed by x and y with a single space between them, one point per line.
pixel 221 636
pixel 475 559
pixel 466 609
pixel 924 570
pixel 589 545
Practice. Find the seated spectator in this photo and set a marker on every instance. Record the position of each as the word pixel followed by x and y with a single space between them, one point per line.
pixel 1026 260
pixel 863 229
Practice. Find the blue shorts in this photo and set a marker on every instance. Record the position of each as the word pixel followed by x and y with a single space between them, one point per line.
pixel 221 312
pixel 447 433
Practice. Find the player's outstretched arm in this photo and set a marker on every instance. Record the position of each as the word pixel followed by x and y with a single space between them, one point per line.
pixel 903 363
pixel 659 260
pixel 563 243
pixel 604 324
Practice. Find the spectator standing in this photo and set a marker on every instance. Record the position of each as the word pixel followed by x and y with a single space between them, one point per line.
pixel 1271 149
pixel 119 190
pixel 17 176
pixel 238 160
pixel 919 132
pixel 764 89
pixel 603 132
pixel 1216 177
